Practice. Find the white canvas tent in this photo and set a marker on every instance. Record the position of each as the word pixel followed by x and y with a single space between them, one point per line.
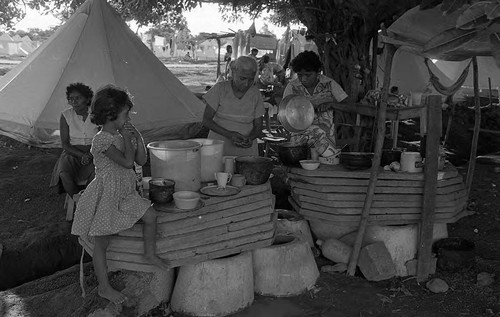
pixel 487 68
pixel 94 47
pixel 409 72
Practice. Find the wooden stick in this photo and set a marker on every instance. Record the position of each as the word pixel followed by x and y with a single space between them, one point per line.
pixel 489 91
pixel 218 58
pixel 448 125
pixel 477 126
pixel 430 187
pixel 379 142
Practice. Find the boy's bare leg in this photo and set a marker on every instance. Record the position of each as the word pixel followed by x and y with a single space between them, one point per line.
pixel 149 233
pixel 101 271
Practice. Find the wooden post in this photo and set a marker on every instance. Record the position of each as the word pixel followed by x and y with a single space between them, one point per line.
pixel 395 132
pixel 477 126
pixel 218 58
pixel 430 186
pixel 379 142
pixel 448 125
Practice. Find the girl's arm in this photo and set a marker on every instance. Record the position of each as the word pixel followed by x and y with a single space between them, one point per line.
pixel 140 156
pixel 125 158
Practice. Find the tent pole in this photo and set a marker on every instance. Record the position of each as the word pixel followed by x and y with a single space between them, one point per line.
pixel 379 142
pixel 477 126
pixel 218 59
pixel 374 65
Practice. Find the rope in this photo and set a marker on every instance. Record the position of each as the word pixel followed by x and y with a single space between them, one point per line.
pixel 448 91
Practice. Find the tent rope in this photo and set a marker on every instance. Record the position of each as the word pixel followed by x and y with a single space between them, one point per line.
pixel 448 91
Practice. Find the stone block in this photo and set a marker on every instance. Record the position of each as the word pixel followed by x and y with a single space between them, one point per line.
pixel 375 262
pixel 400 241
pixel 145 291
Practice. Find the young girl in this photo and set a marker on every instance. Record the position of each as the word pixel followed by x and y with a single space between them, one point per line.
pixel 111 203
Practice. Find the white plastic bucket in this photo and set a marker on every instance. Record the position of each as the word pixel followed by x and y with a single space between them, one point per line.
pixel 177 160
pixel 411 162
pixel 211 158
pixel 416 98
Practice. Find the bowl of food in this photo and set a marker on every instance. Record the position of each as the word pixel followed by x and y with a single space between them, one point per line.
pixel 309 165
pixel 185 199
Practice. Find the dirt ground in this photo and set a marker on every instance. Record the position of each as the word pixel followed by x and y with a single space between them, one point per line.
pixel 30 213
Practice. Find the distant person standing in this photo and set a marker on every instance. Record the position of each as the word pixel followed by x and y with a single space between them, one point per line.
pixel 227 60
pixel 253 53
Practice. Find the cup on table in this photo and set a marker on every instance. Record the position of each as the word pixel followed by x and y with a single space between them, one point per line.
pixel 145 186
pixel 145 182
pixel 222 179
pixel 238 180
pixel 228 163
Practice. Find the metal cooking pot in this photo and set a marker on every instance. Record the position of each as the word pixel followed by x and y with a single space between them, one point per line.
pixel 356 160
pixel 295 113
pixel 291 153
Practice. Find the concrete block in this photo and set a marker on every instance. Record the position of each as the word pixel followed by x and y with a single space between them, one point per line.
pixel 400 241
pixel 291 223
pixel 287 268
pixel 214 288
pixel 375 262
pixel 411 266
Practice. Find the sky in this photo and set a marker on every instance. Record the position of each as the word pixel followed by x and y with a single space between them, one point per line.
pixel 200 19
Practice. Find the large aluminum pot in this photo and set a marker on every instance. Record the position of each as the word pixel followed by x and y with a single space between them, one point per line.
pixel 295 113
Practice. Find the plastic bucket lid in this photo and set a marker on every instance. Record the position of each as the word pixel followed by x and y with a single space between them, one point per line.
pixel 176 145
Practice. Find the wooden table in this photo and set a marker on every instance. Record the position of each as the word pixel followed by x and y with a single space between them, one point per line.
pixel 333 193
pixel 223 226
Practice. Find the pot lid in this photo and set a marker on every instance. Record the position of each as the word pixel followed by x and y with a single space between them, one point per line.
pixel 296 113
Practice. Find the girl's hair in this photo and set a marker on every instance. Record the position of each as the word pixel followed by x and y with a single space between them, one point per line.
pixel 308 61
pixel 83 89
pixel 108 102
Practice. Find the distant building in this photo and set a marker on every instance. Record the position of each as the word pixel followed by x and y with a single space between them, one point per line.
pixel 16 46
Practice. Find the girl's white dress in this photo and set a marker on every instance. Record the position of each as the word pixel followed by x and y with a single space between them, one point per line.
pixel 110 203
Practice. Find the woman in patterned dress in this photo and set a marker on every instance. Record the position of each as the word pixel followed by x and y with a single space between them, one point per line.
pixel 111 202
pixel 317 88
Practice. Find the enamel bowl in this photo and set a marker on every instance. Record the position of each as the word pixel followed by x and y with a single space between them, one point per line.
pixel 309 164
pixel 186 199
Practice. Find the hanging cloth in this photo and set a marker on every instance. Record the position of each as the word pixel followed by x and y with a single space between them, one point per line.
pixel 448 91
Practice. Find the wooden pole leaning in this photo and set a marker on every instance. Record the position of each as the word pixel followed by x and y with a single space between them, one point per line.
pixel 218 58
pixel 477 126
pixel 379 142
pixel 434 127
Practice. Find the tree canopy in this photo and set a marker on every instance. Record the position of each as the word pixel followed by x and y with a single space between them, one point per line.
pixel 343 29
